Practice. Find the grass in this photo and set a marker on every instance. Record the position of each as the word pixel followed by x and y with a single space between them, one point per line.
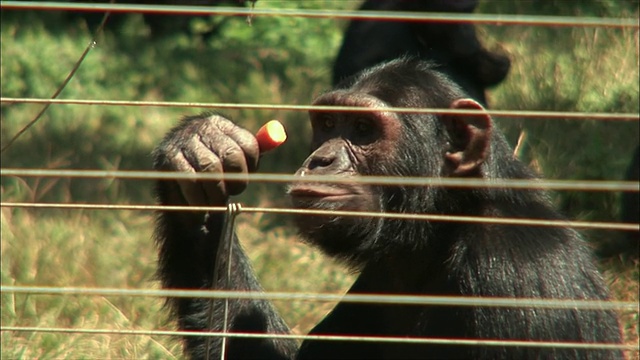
pixel 276 60
pixel 106 251
pixel 113 250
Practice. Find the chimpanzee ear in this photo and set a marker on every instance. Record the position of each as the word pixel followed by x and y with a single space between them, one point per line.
pixel 469 138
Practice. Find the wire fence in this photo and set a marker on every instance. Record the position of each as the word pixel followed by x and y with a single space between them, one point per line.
pixel 561 185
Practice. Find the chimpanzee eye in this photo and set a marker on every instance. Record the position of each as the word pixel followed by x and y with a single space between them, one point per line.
pixel 364 126
pixel 328 123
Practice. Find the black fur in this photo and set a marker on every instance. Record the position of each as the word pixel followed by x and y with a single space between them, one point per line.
pixel 455 47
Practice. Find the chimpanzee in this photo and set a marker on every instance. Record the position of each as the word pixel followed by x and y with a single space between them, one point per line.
pixel 455 47
pixel 159 24
pixel 392 256
pixel 627 243
pixel 631 206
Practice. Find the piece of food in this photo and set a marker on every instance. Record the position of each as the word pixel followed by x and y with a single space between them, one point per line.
pixel 271 135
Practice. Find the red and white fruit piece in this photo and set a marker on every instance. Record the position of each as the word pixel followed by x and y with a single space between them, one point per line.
pixel 271 135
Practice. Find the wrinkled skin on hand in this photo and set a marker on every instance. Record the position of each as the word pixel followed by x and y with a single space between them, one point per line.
pixel 211 144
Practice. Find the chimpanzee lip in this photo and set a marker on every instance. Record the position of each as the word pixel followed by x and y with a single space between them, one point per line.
pixel 318 191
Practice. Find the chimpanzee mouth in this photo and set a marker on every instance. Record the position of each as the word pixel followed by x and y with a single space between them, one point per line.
pixel 318 192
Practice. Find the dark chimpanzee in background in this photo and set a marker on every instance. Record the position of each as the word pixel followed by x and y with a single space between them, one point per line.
pixel 392 256
pixel 159 24
pixel 627 244
pixel 631 206
pixel 454 47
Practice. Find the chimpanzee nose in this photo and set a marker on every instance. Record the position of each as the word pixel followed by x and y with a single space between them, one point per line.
pixel 320 162
pixel 330 159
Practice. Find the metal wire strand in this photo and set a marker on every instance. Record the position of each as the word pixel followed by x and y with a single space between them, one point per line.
pixel 545 184
pixel 225 247
pixel 381 339
pixel 434 300
pixel 92 43
pixel 386 215
pixel 495 19
pixel 529 114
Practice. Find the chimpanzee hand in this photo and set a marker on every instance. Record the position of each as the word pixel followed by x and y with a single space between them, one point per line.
pixel 207 143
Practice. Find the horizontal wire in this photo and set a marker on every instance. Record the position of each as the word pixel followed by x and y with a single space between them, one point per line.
pixel 324 108
pixel 384 339
pixel 494 19
pixel 435 300
pixel 384 215
pixel 582 185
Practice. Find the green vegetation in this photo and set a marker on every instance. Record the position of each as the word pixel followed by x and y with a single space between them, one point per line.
pixel 273 61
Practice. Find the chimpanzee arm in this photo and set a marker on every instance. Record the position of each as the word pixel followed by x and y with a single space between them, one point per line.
pixel 188 241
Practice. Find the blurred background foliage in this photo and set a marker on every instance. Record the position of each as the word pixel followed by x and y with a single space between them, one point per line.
pixel 272 60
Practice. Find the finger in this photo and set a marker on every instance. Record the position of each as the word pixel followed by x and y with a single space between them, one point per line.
pixel 245 140
pixel 202 159
pixel 232 160
pixel 192 192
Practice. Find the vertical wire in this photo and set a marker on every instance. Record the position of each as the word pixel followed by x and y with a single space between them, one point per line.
pixel 225 242
pixel 66 81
